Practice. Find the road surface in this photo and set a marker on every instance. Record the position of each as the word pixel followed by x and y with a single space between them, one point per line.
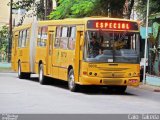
pixel 28 96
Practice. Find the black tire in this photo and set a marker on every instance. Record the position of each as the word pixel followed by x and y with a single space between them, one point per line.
pixel 121 89
pixel 41 75
pixel 22 75
pixel 141 75
pixel 71 82
pixel 117 89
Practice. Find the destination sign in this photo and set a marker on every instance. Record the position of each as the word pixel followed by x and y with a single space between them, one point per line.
pixel 112 25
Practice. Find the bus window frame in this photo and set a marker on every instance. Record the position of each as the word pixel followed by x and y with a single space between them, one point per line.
pixel 62 44
pixel 20 39
pixel 57 37
pixel 43 31
pixel 23 44
pixel 70 37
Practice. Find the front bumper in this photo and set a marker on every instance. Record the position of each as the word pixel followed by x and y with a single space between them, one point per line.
pixel 85 80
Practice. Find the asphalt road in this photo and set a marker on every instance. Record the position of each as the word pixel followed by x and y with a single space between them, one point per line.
pixel 28 96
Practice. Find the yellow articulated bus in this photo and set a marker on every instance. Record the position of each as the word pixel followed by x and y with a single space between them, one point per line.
pixel 85 51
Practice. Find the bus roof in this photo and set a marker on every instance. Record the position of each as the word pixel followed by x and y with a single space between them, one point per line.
pixel 80 20
pixel 71 21
pixel 21 27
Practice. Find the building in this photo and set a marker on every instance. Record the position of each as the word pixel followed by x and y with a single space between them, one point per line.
pixel 16 14
pixel 4 12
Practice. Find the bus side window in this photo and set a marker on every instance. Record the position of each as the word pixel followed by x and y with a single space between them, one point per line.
pixel 27 36
pixel 57 40
pixel 39 36
pixel 23 39
pixel 64 38
pixel 20 39
pixel 44 36
pixel 72 37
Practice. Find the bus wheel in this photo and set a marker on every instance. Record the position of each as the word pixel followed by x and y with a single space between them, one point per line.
pixel 71 82
pixel 121 89
pixel 117 89
pixel 41 75
pixel 20 74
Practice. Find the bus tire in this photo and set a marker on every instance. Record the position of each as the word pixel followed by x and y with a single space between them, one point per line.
pixel 27 75
pixel 41 75
pixel 22 75
pixel 71 82
pixel 121 89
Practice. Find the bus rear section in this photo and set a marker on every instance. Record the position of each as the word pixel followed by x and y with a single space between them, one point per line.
pixel 20 51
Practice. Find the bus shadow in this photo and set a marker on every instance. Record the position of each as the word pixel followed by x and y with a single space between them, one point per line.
pixel 57 83
pixel 99 90
pixel 52 82
pixel 33 79
pixel 88 90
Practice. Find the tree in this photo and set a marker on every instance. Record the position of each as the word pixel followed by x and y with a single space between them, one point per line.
pixel 83 8
pixel 141 8
pixel 4 38
pixel 128 6
pixel 78 8
pixel 43 8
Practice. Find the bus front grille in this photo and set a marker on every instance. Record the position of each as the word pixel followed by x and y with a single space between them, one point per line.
pixel 112 74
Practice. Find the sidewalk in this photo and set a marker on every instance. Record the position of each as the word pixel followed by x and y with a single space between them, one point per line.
pixel 152 83
pixel 5 67
pixel 153 80
pixel 149 87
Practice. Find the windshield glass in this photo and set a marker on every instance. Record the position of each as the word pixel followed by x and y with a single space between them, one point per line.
pixel 105 46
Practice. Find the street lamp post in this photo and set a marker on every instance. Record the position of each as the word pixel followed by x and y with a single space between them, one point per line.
pixel 146 40
pixel 10 33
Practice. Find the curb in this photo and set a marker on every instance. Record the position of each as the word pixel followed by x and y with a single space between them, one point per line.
pixel 149 87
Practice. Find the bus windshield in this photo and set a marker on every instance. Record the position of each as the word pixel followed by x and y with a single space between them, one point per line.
pixel 107 46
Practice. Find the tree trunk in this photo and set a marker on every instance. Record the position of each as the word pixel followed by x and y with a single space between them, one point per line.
pixel 127 9
pixel 48 8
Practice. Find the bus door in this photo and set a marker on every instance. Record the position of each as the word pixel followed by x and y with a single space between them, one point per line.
pixel 78 52
pixel 49 52
pixel 56 53
pixel 14 52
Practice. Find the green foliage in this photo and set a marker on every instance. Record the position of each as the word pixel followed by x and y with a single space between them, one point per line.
pixel 23 4
pixel 141 8
pixel 83 8
pixel 3 38
pixel 63 10
pixel 77 8
pixel 28 5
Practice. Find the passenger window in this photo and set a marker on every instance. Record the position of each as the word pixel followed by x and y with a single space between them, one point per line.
pixel 39 36
pixel 58 35
pixel 42 36
pixel 64 38
pixel 24 38
pixel 20 38
pixel 72 37
pixel 27 36
pixel 64 31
